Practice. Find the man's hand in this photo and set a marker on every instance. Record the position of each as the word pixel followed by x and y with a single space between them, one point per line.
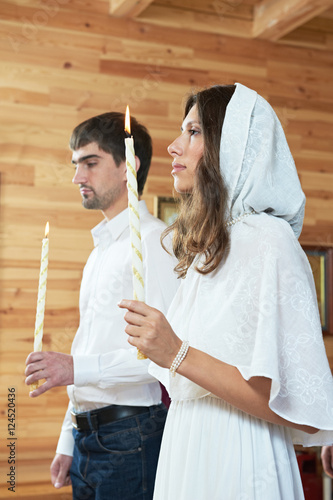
pixel 327 459
pixel 60 470
pixel 56 368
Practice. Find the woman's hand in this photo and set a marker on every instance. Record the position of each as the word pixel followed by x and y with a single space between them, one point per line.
pixel 150 332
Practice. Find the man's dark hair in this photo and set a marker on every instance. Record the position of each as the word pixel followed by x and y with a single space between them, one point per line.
pixel 107 130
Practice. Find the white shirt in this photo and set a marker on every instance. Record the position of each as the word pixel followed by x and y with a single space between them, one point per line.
pixel 106 368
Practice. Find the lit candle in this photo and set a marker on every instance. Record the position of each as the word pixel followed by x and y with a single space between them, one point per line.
pixel 38 337
pixel 134 218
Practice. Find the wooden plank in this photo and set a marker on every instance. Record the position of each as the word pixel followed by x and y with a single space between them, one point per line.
pixel 303 37
pixel 53 318
pixel 23 96
pixel 100 6
pixel 17 174
pixel 275 18
pixel 308 165
pixel 160 74
pixel 318 235
pixel 300 107
pixel 128 8
pixel 322 23
pixel 320 182
pixel 20 298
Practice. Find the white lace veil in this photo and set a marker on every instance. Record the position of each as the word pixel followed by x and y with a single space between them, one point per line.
pixel 256 162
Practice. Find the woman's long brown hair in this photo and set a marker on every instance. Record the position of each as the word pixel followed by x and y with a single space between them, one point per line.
pixel 200 228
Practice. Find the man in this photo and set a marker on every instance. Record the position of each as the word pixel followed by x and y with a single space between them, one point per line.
pixel 114 413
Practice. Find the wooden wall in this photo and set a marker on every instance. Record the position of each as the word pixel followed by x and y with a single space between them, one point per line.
pixel 63 61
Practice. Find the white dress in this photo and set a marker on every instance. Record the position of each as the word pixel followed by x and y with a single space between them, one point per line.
pixel 211 450
pixel 258 312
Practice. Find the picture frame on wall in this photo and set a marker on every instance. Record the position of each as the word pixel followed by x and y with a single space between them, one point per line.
pixel 321 262
pixel 165 208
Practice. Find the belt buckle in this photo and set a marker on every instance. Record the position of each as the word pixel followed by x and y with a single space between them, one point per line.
pixel 74 421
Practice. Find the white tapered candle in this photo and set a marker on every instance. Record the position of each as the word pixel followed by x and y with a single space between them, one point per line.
pixel 40 310
pixel 134 218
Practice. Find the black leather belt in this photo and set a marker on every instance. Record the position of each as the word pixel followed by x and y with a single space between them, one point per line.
pixel 106 415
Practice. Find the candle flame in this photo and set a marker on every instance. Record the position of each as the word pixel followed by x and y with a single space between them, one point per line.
pixel 47 229
pixel 128 121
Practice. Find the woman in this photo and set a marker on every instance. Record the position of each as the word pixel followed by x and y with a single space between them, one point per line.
pixel 251 373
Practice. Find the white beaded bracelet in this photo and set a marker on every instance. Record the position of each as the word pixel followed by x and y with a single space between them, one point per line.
pixel 179 358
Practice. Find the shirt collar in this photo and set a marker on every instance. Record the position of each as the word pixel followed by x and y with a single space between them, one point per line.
pixel 113 229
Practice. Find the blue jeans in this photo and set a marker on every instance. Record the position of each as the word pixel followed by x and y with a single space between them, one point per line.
pixel 118 460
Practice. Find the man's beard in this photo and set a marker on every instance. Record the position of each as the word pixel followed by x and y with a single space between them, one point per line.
pixel 101 202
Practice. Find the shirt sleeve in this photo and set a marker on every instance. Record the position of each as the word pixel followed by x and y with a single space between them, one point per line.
pixel 112 368
pixel 66 441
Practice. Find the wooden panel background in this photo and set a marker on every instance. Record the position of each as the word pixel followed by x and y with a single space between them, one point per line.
pixel 63 61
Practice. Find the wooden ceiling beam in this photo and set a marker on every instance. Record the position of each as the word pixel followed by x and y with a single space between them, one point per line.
pixel 274 19
pixel 219 22
pixel 128 8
